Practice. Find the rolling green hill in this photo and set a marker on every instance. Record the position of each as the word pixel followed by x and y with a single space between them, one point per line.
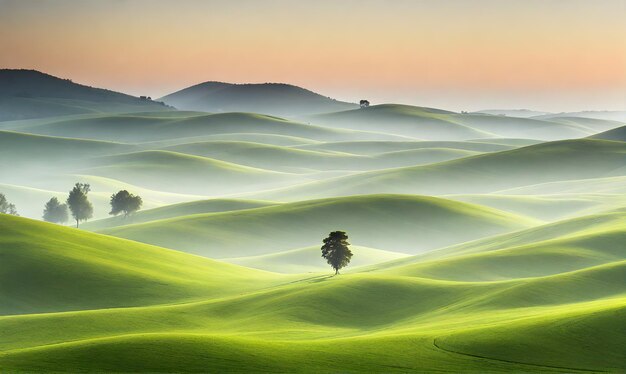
pixel 617 134
pixel 47 268
pixel 303 260
pixel 181 173
pixel 512 127
pixel 606 185
pixel 376 147
pixel 144 127
pixel 547 207
pixel 178 210
pixel 416 122
pixel 491 172
pixel 435 124
pixel 606 227
pixel 45 153
pixel 408 224
pixel 287 159
pixel 220 317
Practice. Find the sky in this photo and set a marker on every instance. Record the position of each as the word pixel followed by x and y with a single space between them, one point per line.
pixel 550 55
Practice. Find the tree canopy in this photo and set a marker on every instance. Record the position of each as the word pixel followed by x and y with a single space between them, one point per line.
pixel 79 204
pixel 125 202
pixel 6 207
pixel 55 212
pixel 336 250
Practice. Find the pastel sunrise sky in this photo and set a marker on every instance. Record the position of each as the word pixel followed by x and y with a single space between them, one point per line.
pixel 461 55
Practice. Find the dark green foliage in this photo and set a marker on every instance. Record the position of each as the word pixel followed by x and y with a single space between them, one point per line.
pixel 6 207
pixel 78 203
pixel 336 250
pixel 55 212
pixel 125 202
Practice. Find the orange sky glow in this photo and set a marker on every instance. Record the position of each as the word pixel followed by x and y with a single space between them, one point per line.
pixel 460 55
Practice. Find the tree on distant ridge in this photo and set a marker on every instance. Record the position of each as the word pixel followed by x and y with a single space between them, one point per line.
pixel 79 204
pixel 126 202
pixel 55 212
pixel 6 207
pixel 336 250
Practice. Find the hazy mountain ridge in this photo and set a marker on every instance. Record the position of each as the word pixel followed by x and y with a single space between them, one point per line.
pixel 26 94
pixel 266 98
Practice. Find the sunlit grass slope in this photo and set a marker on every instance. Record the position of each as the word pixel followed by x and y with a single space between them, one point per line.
pixel 178 210
pixel 409 224
pixel 376 147
pixel 182 173
pixel 46 268
pixel 354 322
pixel 47 152
pixel 219 317
pixel 561 246
pixel 280 158
pixel 491 172
pixel 309 259
pixel 549 207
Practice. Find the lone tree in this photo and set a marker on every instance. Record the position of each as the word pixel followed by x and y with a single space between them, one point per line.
pixel 6 207
pixel 126 202
pixel 335 250
pixel 78 203
pixel 364 103
pixel 55 212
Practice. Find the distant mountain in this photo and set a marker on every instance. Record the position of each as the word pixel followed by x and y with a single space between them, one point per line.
pixel 521 113
pixel 266 98
pixel 26 94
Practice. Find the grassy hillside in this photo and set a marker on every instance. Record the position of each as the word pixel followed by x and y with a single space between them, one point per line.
pixel 409 224
pixel 547 207
pixel 48 268
pixel 219 317
pixel 541 163
pixel 299 160
pixel 268 98
pixel 43 153
pixel 150 127
pixel 181 173
pixel 593 124
pixel 376 147
pixel 617 134
pixel 178 210
pixel 303 260
pixel 606 185
pixel 609 115
pixel 417 122
pixel 512 127
pixel 434 124
pixel 609 225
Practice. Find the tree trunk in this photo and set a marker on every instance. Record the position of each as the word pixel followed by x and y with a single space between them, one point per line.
pixel 336 271
pixel 76 223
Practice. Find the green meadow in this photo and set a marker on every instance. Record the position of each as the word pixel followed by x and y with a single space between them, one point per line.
pixel 482 242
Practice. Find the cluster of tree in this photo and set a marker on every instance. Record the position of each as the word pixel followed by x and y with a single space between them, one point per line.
pixel 6 207
pixel 81 208
pixel 125 202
